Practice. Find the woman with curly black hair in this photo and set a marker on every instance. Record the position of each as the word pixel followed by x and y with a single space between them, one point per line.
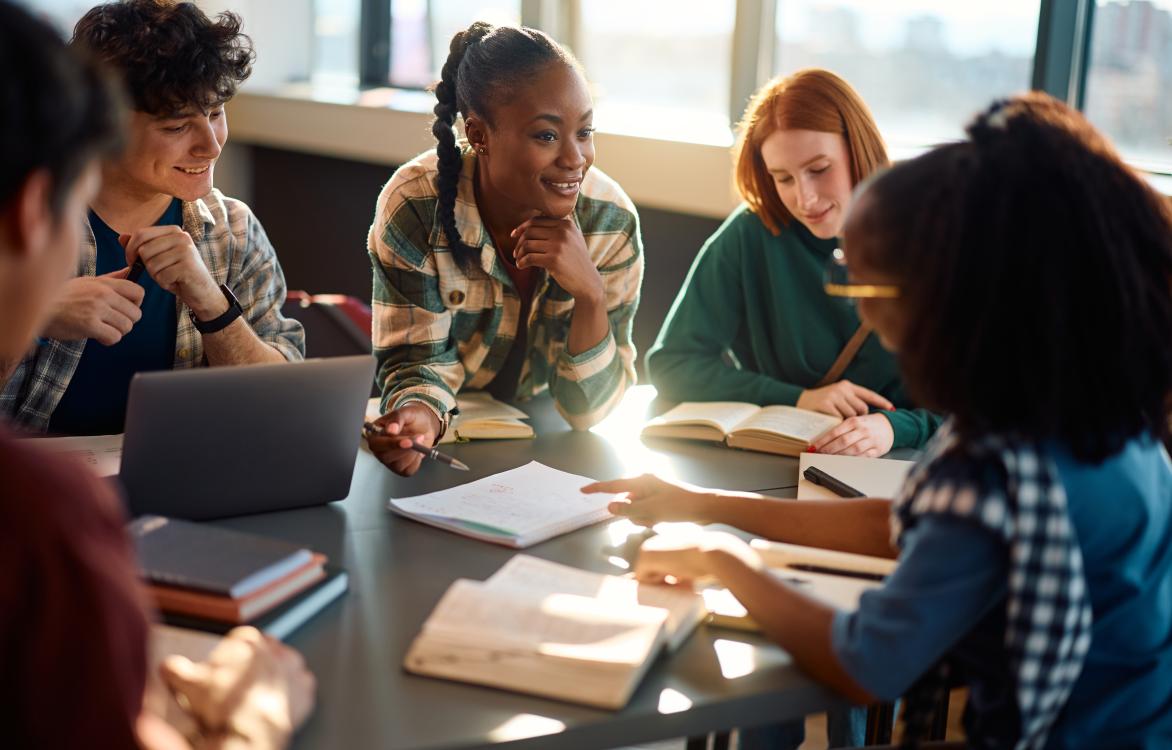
pixel 174 274
pixel 504 263
pixel 1024 279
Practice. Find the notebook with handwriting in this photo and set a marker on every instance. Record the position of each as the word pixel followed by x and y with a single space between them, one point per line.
pixel 785 430
pixel 516 508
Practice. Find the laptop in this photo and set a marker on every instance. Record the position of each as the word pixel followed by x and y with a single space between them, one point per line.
pixel 226 441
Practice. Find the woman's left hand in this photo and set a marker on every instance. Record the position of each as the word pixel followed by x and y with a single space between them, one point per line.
pixel 869 436
pixel 685 559
pixel 557 245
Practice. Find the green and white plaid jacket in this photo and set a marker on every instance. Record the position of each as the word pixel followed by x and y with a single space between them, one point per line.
pixel 236 251
pixel 446 320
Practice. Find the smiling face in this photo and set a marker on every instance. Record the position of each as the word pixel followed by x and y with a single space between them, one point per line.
pixel 538 148
pixel 811 171
pixel 172 156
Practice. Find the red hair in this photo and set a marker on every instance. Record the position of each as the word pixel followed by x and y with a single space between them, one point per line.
pixel 811 99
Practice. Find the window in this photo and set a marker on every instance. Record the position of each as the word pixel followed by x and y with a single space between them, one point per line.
pixel 335 42
pixel 659 65
pixel 422 30
pixel 1129 83
pixel 923 67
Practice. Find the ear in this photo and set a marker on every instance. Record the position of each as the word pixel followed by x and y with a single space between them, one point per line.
pixel 27 219
pixel 477 131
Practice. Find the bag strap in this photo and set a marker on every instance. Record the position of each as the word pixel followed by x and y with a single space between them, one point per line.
pixel 846 356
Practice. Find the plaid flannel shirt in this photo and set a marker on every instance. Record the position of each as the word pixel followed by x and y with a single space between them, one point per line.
pixel 1011 488
pixel 446 320
pixel 236 251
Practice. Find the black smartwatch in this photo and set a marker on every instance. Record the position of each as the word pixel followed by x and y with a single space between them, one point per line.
pixel 221 322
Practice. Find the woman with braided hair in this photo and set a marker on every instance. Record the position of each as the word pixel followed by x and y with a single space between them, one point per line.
pixel 1023 278
pixel 503 262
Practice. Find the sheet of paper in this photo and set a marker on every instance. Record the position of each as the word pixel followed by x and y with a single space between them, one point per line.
pixel 519 501
pixel 101 453
pixel 874 477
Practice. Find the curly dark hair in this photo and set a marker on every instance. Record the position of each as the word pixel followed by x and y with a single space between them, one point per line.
pixel 484 61
pixel 58 110
pixel 1036 270
pixel 171 56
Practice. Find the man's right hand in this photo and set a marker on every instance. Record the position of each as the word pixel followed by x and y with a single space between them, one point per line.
pixel 103 308
pixel 411 422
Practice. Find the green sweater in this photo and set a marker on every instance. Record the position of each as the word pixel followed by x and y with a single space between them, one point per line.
pixel 753 324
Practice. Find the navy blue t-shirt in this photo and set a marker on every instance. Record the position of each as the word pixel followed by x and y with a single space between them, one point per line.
pixel 95 401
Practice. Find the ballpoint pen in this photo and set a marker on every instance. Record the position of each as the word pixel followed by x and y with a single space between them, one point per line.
pixel 433 453
pixel 837 486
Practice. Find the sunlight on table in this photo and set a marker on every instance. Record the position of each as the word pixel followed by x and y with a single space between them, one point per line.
pixel 621 429
pixel 673 701
pixel 522 726
pixel 736 659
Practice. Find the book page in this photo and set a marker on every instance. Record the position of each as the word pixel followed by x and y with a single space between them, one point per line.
pixel 528 576
pixel 874 477
pixel 721 415
pixel 563 625
pixel 517 502
pixel 789 421
pixel 480 405
pixel 102 454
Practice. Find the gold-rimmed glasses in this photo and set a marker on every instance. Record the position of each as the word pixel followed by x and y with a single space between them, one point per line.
pixel 837 282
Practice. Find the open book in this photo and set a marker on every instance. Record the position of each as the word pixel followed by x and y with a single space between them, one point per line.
pixel 786 430
pixel 834 578
pixel 481 417
pixel 516 508
pixel 541 628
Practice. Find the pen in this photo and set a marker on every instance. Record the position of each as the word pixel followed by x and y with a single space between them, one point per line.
pixel 372 429
pixel 836 571
pixel 135 270
pixel 838 487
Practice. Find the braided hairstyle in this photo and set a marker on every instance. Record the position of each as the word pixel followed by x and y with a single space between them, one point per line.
pixel 1036 270
pixel 484 62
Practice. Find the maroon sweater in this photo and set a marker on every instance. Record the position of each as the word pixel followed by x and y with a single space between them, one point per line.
pixel 73 628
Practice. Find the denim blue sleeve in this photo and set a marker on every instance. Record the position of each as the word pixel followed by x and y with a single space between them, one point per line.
pixel 950 574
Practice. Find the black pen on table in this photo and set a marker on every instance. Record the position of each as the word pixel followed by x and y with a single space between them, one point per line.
pixel 837 486
pixel 371 428
pixel 826 570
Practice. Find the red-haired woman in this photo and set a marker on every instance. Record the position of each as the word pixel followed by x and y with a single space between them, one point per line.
pixel 752 322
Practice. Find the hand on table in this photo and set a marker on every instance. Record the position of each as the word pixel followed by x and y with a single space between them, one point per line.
pixel 411 422
pixel 251 687
pixel 686 559
pixel 869 436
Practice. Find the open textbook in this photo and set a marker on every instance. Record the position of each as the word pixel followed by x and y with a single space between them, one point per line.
pixel 481 417
pixel 546 629
pixel 786 430
pixel 516 508
pixel 835 578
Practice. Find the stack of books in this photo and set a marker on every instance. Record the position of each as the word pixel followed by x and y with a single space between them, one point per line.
pixel 213 579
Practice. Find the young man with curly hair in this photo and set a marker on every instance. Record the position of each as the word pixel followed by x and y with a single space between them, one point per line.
pixel 173 274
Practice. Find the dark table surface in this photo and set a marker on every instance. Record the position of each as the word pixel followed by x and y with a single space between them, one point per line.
pixel 399 569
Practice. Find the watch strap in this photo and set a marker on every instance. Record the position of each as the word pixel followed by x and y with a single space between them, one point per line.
pixel 222 321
